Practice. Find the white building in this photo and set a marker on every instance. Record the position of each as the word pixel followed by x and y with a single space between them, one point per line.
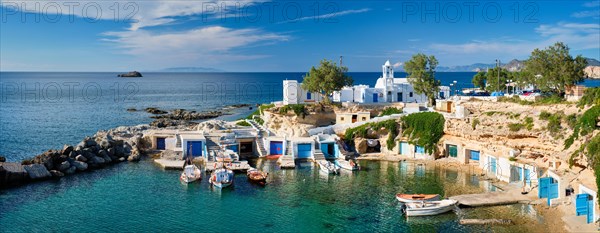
pixel 388 89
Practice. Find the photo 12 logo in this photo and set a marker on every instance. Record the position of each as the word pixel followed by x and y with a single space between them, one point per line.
pixel 49 11
pixel 454 12
pixel 54 92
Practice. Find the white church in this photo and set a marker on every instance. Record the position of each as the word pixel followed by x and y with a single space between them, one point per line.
pixel 387 90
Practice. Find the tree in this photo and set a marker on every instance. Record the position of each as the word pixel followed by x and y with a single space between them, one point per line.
pixel 554 68
pixel 421 75
pixel 326 79
pixel 479 79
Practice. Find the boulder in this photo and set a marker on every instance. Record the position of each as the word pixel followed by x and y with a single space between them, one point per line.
pixel 81 158
pixel 12 174
pixel 2 159
pixel 64 166
pixel 111 151
pixel 135 156
pixel 37 172
pixel 89 142
pixel 67 149
pixel 80 146
pixel 104 144
pixel 97 160
pixel 71 170
pixel 80 166
pixel 56 173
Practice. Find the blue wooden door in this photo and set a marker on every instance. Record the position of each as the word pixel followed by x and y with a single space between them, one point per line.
pixel 194 148
pixel 276 148
pixel 160 143
pixel 419 150
pixel 492 164
pixel 474 155
pixel 375 97
pixel 304 151
pixel 584 206
pixel 548 188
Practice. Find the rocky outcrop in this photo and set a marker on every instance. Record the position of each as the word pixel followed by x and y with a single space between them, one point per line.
pixel 12 174
pixel 155 111
pixel 37 172
pixel 182 114
pixel 132 74
pixel 104 148
pixel 592 72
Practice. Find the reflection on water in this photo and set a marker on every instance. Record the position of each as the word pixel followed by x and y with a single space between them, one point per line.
pixel 142 197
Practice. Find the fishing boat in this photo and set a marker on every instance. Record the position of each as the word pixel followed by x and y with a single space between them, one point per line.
pixel 190 173
pixel 221 177
pixel 408 198
pixel 327 167
pixel 257 176
pixel 351 165
pixel 426 208
pixel 273 157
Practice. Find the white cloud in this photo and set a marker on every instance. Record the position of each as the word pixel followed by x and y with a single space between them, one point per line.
pixel 397 64
pixel 330 15
pixel 200 46
pixel 592 4
pixel 577 36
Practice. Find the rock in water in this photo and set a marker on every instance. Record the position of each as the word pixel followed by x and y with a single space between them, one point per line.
pixel 135 155
pixel 81 166
pixel 11 174
pixel 64 166
pixel 67 149
pixel 2 159
pixel 56 173
pixel 71 170
pixel 132 74
pixel 37 171
pixel 81 158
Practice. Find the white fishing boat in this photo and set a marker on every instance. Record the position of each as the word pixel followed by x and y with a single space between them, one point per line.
pixel 190 173
pixel 408 198
pixel 426 208
pixel 221 178
pixel 350 165
pixel 327 167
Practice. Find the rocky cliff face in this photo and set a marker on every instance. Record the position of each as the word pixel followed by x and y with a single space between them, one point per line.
pixel 592 72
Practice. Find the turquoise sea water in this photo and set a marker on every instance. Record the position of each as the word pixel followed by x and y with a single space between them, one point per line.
pixel 141 197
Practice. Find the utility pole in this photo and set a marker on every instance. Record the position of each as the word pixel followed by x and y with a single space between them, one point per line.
pixel 498 67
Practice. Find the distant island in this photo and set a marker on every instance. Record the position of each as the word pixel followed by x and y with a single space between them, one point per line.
pixel 191 69
pixel 132 74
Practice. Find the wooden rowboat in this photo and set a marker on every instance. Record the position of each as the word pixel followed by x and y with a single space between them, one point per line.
pixel 273 157
pixel 408 198
pixel 257 176
pixel 190 173
pixel 426 208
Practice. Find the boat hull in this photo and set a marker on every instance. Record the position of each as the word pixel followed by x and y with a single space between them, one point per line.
pixel 190 174
pixel 409 198
pixel 273 157
pixel 221 178
pixel 429 208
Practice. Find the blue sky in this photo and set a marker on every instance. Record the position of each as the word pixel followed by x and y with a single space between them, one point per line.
pixel 252 35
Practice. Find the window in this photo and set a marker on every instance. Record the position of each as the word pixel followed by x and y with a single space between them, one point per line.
pixel 308 95
pixel 364 118
pixel 419 150
pixel 410 94
pixel 452 151
pixel 342 118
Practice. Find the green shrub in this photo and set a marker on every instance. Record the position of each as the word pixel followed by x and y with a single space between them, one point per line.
pixel 259 110
pixel 528 123
pixel 424 129
pixel 515 127
pixel 545 115
pixel 390 111
pixel 299 109
pixel 475 123
pixel 591 96
pixel 512 159
pixel 571 120
pixel 585 124
pixel 242 123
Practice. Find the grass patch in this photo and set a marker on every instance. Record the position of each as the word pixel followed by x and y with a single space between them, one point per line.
pixel 591 96
pixel 390 111
pixel 515 127
pixel 585 125
pixel 242 123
